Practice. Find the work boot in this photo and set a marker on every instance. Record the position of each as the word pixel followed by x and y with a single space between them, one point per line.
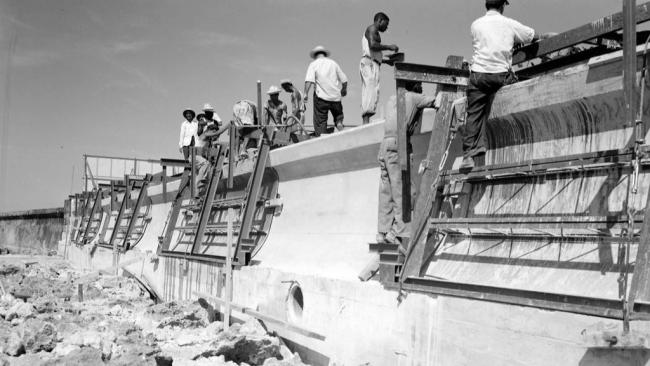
pixel 380 238
pixel 467 164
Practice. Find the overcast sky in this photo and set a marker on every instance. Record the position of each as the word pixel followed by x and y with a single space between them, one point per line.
pixel 111 77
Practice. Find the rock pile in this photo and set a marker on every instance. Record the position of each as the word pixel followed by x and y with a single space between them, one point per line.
pixel 43 323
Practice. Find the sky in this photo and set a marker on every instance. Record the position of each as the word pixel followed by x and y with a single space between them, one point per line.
pixel 112 77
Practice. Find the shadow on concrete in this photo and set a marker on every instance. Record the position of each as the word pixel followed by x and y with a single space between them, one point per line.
pixel 615 357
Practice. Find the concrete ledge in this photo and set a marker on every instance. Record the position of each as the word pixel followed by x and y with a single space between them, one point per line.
pixel 32 214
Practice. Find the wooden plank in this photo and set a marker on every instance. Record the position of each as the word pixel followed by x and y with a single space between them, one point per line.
pixel 232 152
pixel 595 29
pixel 266 318
pixel 97 202
pixel 426 195
pixel 229 244
pixel 173 217
pixel 253 192
pixel 141 195
pixel 640 287
pixel 432 74
pixel 207 203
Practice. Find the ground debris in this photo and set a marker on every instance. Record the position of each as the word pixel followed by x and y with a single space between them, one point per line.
pixel 42 322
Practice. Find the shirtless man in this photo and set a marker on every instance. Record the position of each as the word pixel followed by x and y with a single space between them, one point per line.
pixel 371 57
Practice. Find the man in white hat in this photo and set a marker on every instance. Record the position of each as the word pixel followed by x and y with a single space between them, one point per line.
pixel 371 57
pixel 297 105
pixel 213 120
pixel 275 111
pixel 331 85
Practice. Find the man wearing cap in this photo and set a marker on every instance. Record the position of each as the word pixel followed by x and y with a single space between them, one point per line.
pixel 391 225
pixel 371 57
pixel 275 111
pixel 188 135
pixel 494 37
pixel 297 106
pixel 331 85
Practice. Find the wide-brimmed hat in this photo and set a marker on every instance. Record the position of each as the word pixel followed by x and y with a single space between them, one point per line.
pixel 284 82
pixel 496 2
pixel 273 90
pixel 191 111
pixel 319 49
pixel 207 107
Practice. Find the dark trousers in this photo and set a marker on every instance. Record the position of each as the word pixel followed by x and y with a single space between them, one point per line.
pixel 321 108
pixel 480 94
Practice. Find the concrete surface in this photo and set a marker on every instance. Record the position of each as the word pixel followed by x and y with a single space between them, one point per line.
pixel 34 231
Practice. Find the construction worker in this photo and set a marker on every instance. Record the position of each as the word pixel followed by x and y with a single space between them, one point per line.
pixel 188 136
pixel 297 105
pixel 275 111
pixel 210 116
pixel 391 225
pixel 371 57
pixel 330 84
pixel 494 37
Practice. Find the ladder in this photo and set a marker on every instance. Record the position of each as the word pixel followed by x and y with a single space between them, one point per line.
pixel 125 230
pixel 200 229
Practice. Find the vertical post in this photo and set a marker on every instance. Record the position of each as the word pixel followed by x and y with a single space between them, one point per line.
pixel 402 149
pixel 629 95
pixel 260 108
pixel 164 182
pixel 629 61
pixel 112 204
pixel 127 197
pixel 229 254
pixel 85 173
pixel 232 151
pixel 192 177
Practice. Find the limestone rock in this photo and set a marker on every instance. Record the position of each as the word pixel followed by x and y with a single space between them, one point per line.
pixel 38 336
pixel 14 345
pixel 20 310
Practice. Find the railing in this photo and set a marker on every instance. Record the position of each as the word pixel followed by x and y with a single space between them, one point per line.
pixel 104 169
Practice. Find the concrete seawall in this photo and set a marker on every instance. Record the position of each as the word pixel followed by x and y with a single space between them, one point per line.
pixel 33 231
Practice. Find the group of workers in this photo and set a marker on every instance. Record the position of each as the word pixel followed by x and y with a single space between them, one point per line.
pixel 493 38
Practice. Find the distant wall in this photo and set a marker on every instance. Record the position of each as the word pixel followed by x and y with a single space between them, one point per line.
pixel 34 231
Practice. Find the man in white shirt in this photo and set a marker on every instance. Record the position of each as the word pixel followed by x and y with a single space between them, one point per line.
pixel 494 37
pixel 188 136
pixel 331 85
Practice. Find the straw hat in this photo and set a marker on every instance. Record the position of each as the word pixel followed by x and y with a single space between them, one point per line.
pixel 208 108
pixel 273 90
pixel 319 49
pixel 284 82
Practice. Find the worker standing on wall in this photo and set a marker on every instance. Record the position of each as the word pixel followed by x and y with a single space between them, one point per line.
pixel 330 84
pixel 391 225
pixel 275 110
pixel 371 58
pixel 297 105
pixel 494 37
pixel 188 136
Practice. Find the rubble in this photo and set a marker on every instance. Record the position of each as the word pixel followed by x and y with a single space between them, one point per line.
pixel 42 322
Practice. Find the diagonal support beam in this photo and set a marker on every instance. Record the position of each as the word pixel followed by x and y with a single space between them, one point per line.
pixel 595 29
pixel 206 209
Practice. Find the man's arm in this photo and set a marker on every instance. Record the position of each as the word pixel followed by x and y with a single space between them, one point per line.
pixel 308 86
pixel 344 89
pixel 374 40
pixel 539 37
pixel 343 79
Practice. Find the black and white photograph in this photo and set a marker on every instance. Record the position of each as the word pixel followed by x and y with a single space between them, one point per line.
pixel 324 182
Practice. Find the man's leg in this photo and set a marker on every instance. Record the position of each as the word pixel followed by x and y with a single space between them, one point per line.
pixel 474 132
pixel 398 228
pixel 320 116
pixel 337 113
pixel 385 211
pixel 369 71
pixel 202 166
